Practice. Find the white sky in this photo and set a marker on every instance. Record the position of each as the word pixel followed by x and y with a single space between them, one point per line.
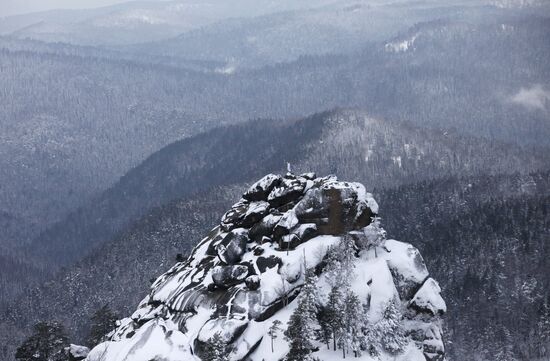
pixel 13 7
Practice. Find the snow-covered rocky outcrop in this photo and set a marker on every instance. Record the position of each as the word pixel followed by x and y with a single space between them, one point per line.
pixel 250 269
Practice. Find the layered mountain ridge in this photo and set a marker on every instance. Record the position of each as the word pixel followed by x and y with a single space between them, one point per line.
pixel 250 270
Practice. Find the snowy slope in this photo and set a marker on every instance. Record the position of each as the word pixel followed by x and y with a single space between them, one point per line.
pixel 249 271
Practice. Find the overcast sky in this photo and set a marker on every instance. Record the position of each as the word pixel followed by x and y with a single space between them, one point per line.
pixel 12 7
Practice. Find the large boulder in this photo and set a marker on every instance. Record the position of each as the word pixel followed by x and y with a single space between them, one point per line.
pixel 255 212
pixel 227 328
pixel 287 222
pixel 232 218
pixel 76 352
pixel 407 267
pixel 336 207
pixel 260 190
pixel 428 299
pixel 265 227
pixel 289 189
pixel 244 214
pixel 232 248
pixel 433 347
pixel 227 276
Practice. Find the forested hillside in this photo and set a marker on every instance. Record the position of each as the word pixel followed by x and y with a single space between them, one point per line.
pixel 379 153
pixel 92 119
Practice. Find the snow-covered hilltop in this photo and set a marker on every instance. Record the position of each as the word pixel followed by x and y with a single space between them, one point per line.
pixel 299 267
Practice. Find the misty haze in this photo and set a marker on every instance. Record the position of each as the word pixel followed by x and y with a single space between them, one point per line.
pixel 266 180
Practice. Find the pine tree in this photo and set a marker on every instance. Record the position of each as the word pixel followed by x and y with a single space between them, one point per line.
pixel 371 340
pixel 273 331
pixel 341 262
pixel 375 235
pixel 325 331
pixel 353 322
pixel 47 343
pixel 334 314
pixel 504 351
pixel 543 330
pixel 393 337
pixel 340 271
pixel 302 324
pixel 103 321
pixel 216 349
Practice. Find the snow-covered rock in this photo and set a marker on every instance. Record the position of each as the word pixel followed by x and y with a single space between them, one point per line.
pixel 77 352
pixel 428 299
pixel 249 270
pixel 261 189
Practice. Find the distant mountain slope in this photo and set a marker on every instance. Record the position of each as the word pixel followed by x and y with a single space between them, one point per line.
pixel 97 118
pixel 341 27
pixel 71 126
pixel 379 153
pixel 136 21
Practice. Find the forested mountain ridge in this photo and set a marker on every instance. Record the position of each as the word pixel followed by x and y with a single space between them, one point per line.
pixel 135 21
pixel 133 109
pixel 382 153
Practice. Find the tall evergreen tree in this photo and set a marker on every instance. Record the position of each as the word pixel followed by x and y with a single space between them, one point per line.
pixel 216 349
pixel 372 336
pixel 504 351
pixel 273 331
pixel 334 315
pixel 103 321
pixel 47 343
pixel 325 332
pixel 341 262
pixel 303 323
pixel 353 322
pixel 543 330
pixel 375 235
pixel 393 337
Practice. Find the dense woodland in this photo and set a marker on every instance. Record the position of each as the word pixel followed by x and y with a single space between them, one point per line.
pixel 72 125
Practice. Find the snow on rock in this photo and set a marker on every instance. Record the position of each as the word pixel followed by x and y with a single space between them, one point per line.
pixel 76 352
pixel 249 270
pixel 407 267
pixel 428 299
pixel 154 340
pixel 261 189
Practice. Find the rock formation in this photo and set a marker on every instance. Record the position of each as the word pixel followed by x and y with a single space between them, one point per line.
pixel 248 270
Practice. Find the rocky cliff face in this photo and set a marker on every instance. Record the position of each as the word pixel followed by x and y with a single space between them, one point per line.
pixel 249 269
